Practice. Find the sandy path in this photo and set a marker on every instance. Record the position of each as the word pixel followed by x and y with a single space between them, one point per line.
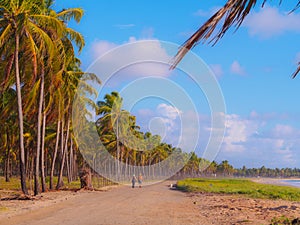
pixel 155 204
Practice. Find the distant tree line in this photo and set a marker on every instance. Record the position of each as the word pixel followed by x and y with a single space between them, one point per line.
pixel 201 167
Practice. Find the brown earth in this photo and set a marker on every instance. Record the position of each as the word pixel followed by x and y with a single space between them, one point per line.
pixel 153 204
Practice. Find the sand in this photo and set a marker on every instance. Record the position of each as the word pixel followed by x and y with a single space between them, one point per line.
pixel 154 204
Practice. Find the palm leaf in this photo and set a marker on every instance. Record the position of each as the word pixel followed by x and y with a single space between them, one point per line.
pixel 73 13
pixel 232 13
pixel 5 34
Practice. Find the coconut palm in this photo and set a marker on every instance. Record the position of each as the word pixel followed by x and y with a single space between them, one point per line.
pixel 72 78
pixel 22 29
pixel 115 119
pixel 233 13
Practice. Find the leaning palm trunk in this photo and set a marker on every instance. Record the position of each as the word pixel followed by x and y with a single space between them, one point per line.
pixel 55 154
pixel 20 114
pixel 64 152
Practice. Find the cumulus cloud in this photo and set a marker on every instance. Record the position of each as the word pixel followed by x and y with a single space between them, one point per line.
pixel 236 68
pixel 253 140
pixel 168 111
pixel 132 59
pixel 238 131
pixel 99 48
pixel 269 21
pixel 260 139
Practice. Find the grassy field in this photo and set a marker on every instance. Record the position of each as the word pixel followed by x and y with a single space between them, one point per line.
pixel 14 184
pixel 240 187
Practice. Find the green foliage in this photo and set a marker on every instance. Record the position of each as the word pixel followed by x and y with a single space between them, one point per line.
pixel 14 184
pixel 284 221
pixel 240 187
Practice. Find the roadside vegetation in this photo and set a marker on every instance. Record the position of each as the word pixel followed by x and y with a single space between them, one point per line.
pixel 239 187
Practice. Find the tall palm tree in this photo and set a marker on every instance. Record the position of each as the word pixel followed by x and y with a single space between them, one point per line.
pixel 22 24
pixel 233 13
pixel 115 119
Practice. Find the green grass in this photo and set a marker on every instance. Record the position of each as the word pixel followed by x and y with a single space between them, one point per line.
pixel 14 184
pixel 240 187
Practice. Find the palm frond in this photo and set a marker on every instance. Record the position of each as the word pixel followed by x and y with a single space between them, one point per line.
pixel 47 21
pixel 5 34
pixel 77 37
pixel 233 12
pixel 73 13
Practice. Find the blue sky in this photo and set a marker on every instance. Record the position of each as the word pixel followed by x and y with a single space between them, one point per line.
pixel 253 67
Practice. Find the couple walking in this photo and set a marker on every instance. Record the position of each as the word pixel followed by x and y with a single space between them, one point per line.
pixel 139 180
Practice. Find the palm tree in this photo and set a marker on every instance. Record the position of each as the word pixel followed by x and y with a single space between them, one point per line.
pixel 22 30
pixel 233 13
pixel 114 119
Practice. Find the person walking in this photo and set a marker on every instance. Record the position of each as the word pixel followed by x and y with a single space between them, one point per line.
pixel 140 180
pixel 133 180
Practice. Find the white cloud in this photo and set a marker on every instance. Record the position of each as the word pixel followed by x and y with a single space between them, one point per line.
pixel 168 111
pixel 181 128
pixel 253 140
pixel 99 48
pixel 238 132
pixel 132 59
pixel 283 131
pixel 269 21
pixel 217 70
pixel 236 68
pixel 260 139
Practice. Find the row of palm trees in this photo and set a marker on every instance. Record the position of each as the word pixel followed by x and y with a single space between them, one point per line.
pixel 38 80
pixel 267 172
pixel 124 140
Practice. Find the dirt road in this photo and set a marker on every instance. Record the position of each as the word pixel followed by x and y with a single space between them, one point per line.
pixel 150 205
pixel 155 204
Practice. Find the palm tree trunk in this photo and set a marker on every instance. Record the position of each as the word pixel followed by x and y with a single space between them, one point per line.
pixel 39 131
pixel 71 161
pixel 60 177
pixel 43 151
pixel 55 154
pixel 7 170
pixel 20 114
pixel 68 167
pixel 118 150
